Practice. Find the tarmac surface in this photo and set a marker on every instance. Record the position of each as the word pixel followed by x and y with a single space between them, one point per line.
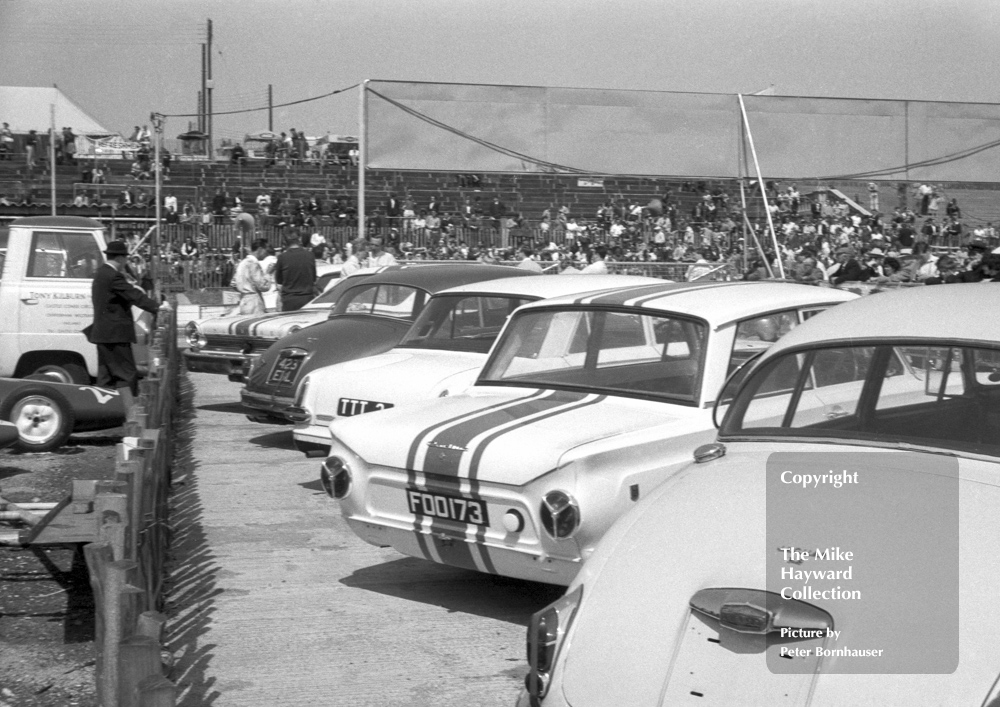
pixel 273 601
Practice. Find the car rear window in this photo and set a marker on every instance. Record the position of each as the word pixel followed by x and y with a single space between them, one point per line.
pixel 925 394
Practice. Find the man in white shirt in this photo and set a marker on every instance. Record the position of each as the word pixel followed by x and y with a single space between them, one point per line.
pixel 357 258
pixel 250 280
pixel 377 257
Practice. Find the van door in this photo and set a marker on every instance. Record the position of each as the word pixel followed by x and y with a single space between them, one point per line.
pixel 54 298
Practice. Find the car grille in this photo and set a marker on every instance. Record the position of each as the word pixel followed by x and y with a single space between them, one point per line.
pixel 238 344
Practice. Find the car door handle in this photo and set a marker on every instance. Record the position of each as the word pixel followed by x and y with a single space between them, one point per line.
pixel 29 300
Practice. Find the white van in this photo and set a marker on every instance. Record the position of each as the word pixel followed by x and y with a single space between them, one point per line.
pixel 46 267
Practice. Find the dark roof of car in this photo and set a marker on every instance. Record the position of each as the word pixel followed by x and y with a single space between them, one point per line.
pixel 436 277
pixel 57 222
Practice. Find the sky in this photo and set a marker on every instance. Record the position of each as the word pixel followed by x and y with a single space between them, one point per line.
pixel 120 60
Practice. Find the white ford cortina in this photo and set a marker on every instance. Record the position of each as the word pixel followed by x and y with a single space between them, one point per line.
pixel 440 355
pixel 836 545
pixel 584 406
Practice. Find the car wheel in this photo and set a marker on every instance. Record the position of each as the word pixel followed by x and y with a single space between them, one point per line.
pixel 43 417
pixel 61 373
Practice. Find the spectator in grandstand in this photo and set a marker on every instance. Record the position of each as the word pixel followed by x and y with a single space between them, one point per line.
pixel 846 268
pixel 873 204
pixel 952 210
pixel 219 205
pixel 237 155
pixel 701 269
pixel 924 192
pixel 30 146
pixel 808 271
pixel 947 271
pixel 6 142
pixel 245 224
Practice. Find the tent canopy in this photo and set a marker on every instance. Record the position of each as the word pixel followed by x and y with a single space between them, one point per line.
pixel 28 108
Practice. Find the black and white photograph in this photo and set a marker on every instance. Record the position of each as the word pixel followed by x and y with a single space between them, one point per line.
pixel 499 353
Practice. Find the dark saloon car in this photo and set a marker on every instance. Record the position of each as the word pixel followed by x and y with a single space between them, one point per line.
pixel 369 318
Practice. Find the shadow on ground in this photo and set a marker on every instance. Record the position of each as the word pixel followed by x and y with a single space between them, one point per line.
pixel 457 590
pixel 192 574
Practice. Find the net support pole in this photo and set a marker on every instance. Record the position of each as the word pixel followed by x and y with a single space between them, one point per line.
pixel 763 191
pixel 362 156
pixel 52 154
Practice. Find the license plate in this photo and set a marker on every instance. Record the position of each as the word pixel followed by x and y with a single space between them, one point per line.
pixel 285 370
pixel 349 406
pixel 438 505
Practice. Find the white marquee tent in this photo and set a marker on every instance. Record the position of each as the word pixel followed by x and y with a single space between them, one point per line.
pixel 29 108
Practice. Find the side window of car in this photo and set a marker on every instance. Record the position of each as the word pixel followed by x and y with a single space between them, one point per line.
pixel 359 300
pixel 758 334
pixel 64 255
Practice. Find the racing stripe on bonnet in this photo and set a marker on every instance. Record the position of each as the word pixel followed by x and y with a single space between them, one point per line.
pixel 242 327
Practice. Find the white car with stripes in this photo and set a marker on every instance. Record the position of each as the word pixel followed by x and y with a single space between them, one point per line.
pixel 585 404
pixel 440 355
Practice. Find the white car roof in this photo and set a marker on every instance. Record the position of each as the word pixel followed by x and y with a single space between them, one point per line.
pixel 716 302
pixel 957 312
pixel 553 285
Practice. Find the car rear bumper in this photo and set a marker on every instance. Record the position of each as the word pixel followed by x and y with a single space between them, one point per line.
pixel 458 552
pixel 263 407
pixel 224 362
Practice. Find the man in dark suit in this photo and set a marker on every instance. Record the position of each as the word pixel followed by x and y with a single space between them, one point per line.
pixel 113 330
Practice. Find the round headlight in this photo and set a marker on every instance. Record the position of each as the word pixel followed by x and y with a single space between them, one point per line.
pixel 335 476
pixel 560 514
pixel 195 338
pixel 294 328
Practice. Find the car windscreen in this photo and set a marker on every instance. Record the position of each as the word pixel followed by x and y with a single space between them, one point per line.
pixel 925 394
pixel 382 299
pixel 607 351
pixel 461 322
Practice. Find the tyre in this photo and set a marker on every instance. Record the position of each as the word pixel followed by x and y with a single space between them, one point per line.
pixel 42 415
pixel 67 372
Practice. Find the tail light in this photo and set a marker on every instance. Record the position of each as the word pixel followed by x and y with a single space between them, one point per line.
pixel 560 514
pixel 335 476
pixel 300 393
pixel 546 633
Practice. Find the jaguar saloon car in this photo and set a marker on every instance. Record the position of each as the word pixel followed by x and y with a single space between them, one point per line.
pixel 228 344
pixel 810 555
pixel 369 318
pixel 584 406
pixel 440 355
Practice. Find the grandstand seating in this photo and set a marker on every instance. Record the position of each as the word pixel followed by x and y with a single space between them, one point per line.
pixel 528 193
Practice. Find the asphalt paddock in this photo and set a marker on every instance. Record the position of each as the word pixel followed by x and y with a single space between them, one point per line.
pixel 273 601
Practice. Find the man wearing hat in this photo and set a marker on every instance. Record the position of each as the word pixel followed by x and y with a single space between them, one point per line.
pixel 113 329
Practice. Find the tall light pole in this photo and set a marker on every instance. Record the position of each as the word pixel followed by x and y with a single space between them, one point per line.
pixel 154 259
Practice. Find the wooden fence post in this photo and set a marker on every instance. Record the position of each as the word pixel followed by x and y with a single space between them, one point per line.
pixel 139 658
pixel 157 691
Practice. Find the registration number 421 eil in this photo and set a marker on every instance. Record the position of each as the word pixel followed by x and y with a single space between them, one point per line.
pixel 456 508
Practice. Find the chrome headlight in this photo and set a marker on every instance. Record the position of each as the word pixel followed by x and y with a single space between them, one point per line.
pixel 294 328
pixel 195 338
pixel 335 476
pixel 560 514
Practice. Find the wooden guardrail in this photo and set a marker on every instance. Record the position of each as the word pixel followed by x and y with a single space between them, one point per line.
pixel 127 562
